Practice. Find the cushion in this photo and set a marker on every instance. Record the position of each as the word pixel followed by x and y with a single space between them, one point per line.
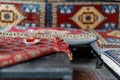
pixel 112 59
pixel 71 36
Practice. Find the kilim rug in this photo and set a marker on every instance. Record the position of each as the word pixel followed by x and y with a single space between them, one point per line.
pixel 22 14
pixel 108 39
pixel 95 15
pixel 90 15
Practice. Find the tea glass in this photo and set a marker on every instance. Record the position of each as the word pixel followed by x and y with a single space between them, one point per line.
pixel 30 35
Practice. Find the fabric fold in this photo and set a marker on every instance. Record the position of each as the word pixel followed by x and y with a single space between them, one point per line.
pixel 14 51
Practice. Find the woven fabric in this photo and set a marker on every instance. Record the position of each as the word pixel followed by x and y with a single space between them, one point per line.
pixel 24 14
pixel 71 36
pixel 107 39
pixel 14 51
pixel 84 15
pixel 114 55
pixel 21 14
pixel 112 59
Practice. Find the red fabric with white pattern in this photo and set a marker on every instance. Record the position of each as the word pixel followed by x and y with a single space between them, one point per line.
pixel 14 51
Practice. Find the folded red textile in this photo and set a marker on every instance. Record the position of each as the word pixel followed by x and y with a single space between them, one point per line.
pixel 13 51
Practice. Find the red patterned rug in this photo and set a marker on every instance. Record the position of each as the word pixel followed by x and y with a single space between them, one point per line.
pixel 21 13
pixel 85 15
pixel 24 14
pixel 107 39
pixel 15 51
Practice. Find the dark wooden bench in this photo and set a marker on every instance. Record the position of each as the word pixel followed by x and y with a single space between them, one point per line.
pixel 53 66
